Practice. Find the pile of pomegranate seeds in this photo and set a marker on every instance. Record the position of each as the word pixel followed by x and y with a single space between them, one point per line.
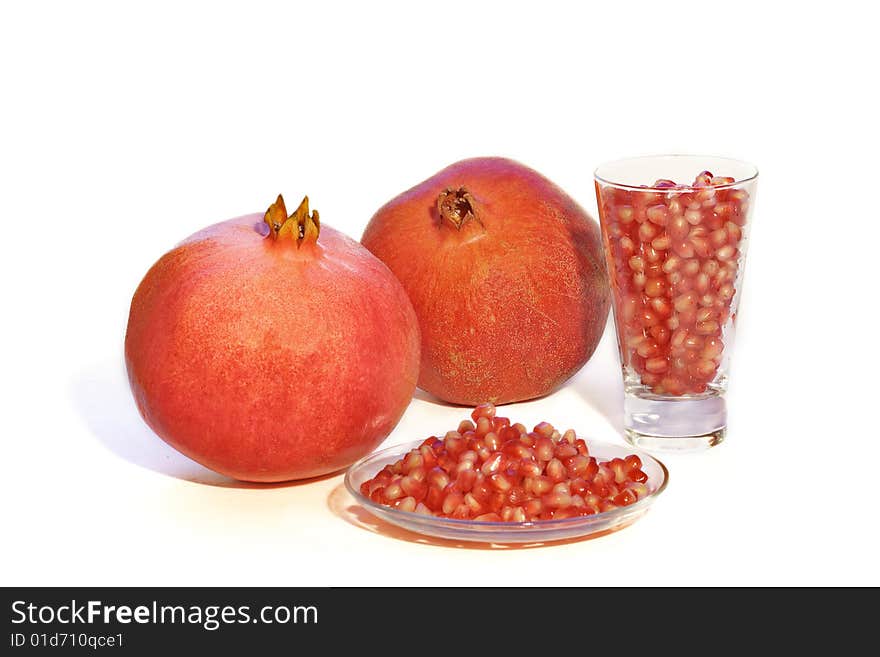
pixel 674 254
pixel 492 470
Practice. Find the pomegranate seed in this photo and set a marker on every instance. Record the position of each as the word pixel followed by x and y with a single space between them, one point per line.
pixel 678 338
pixel 465 480
pixel 492 464
pixel 693 217
pixel 685 302
pixel 691 267
pixel 619 470
pixel 637 263
pixel 726 252
pixel 496 501
pixel 483 410
pixel 713 348
pixel 701 246
pixel 647 349
pixel 624 498
pixel 703 369
pixel 734 231
pixel 578 466
pixel 544 449
pixel 422 509
pixel 533 508
pixel 438 478
pixel 452 501
pixel 679 228
pixel 500 482
pixel 482 451
pixel 718 237
pixel 555 470
pixel 627 244
pixel 473 504
pixel 607 505
pixel 661 243
pixel 454 443
pixel 544 429
pixel 488 517
pixel 654 287
pixel 484 426
pixel 462 512
pixel 414 488
pixel 492 441
pixel 648 318
pixel 638 475
pixel 540 485
pixel 647 232
pixel 657 214
pixel 672 263
pixel 693 342
pixel 656 365
pixel 434 498
pixel 529 468
pixel 707 328
pixel 684 249
pixel 638 489
pixel 578 486
pixel 393 491
pixel 556 499
pixel 704 314
pixel 565 450
pixel 517 496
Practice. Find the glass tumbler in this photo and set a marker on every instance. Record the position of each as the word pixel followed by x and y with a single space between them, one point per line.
pixel 675 230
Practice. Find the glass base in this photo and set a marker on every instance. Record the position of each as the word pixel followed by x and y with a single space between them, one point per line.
pixel 674 424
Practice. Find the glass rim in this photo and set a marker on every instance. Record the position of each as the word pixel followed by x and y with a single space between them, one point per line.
pixel 680 188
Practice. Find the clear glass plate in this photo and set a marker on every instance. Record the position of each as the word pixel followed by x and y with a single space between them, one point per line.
pixel 509 532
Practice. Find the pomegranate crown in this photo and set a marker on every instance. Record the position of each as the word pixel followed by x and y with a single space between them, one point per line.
pixel 301 226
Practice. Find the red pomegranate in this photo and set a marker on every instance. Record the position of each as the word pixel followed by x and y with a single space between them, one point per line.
pixel 267 351
pixel 506 274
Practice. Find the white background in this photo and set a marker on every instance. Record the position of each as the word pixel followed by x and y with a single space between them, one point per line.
pixel 126 127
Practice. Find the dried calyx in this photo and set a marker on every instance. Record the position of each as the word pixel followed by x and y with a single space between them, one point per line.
pixel 456 206
pixel 300 227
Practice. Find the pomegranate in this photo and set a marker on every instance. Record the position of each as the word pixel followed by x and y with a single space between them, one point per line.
pixel 506 275
pixel 490 470
pixel 271 348
pixel 674 253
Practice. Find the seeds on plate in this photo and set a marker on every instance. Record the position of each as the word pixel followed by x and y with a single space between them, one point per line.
pixel 490 470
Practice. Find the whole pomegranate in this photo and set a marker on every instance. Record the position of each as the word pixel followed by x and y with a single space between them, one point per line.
pixel 271 348
pixel 506 274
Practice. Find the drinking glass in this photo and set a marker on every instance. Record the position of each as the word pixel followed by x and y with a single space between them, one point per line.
pixel 675 231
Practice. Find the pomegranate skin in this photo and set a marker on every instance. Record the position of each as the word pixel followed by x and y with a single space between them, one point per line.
pixel 267 362
pixel 507 277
